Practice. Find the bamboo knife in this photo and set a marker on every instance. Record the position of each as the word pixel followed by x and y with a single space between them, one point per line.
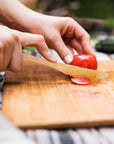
pixel 69 69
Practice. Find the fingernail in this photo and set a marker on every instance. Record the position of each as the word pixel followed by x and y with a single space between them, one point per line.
pixel 68 59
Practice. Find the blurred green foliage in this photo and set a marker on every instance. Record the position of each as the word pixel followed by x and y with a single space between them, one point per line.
pixel 37 5
pixel 29 48
pixel 110 22
pixel 93 8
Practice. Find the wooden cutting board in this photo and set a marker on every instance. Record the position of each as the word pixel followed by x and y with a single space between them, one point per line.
pixel 42 97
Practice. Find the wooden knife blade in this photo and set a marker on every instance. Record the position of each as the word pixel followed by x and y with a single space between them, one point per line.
pixel 69 69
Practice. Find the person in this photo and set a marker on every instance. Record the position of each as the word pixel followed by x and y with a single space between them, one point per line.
pixel 63 34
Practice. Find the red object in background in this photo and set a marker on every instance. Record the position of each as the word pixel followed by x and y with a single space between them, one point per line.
pixel 81 80
pixel 85 60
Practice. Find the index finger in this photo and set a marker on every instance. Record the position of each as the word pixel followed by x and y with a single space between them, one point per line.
pixel 84 38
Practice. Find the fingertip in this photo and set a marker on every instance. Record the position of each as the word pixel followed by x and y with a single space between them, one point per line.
pixel 53 59
pixel 67 59
pixel 49 56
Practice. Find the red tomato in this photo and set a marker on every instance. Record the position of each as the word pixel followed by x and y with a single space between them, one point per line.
pixel 81 80
pixel 85 60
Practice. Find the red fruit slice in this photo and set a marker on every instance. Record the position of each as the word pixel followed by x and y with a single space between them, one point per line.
pixel 81 80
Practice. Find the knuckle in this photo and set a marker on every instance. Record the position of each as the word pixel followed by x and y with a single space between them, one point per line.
pixel 47 52
pixel 12 38
pixel 40 38
pixel 85 35
pixel 9 40
pixel 63 52
pixel 15 37
pixel 53 37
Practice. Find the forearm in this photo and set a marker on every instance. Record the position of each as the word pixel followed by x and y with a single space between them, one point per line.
pixel 15 15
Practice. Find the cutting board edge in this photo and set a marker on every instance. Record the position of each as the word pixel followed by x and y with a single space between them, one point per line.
pixel 67 125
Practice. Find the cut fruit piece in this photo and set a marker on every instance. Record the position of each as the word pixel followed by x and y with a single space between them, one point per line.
pixel 85 60
pixel 81 80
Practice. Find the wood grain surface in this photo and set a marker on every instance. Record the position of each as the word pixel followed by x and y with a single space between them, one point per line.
pixel 42 97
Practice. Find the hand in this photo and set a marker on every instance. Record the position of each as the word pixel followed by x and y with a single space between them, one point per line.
pixel 11 43
pixel 10 50
pixel 62 34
